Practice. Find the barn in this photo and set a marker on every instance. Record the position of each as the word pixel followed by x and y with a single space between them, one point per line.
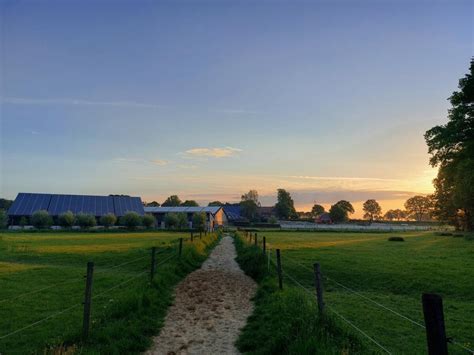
pixel 26 204
pixel 215 215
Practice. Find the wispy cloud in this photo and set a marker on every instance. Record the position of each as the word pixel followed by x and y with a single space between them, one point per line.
pixel 160 162
pixel 213 152
pixel 339 178
pixel 75 102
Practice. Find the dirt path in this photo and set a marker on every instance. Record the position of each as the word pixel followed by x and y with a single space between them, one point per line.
pixel 211 306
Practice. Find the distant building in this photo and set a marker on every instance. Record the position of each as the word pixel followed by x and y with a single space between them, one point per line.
pixel 215 215
pixel 266 212
pixel 26 204
pixel 232 212
pixel 324 218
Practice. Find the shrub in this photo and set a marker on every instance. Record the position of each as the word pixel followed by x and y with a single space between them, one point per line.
pixel 171 220
pixel 131 220
pixel 108 220
pixel 182 220
pixel 199 221
pixel 3 219
pixel 273 220
pixel 41 219
pixel 66 219
pixel 23 221
pixel 396 239
pixel 446 234
pixel 85 220
pixel 149 221
pixel 458 235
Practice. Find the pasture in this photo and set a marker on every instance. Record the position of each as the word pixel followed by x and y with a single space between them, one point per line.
pixel 363 269
pixel 42 275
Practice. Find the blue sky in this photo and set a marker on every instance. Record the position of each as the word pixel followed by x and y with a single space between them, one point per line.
pixel 328 99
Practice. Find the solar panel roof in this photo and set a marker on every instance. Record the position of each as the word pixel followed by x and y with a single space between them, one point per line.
pixel 180 209
pixel 27 203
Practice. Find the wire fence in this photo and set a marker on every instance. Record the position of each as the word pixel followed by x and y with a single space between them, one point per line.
pixel 172 251
pixel 274 264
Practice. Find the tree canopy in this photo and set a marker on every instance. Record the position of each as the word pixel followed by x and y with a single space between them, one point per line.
pixel 338 214
pixel 172 201
pixel 317 210
pixel 372 210
pixel 285 207
pixel 418 207
pixel 190 203
pixel 346 206
pixel 152 204
pixel 452 150
pixel 252 195
pixel 215 203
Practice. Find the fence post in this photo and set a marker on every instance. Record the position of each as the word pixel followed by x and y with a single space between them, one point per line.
pixel 256 243
pixel 180 246
pixel 434 324
pixel 319 287
pixel 280 276
pixel 86 320
pixel 153 263
pixel 264 246
pixel 192 236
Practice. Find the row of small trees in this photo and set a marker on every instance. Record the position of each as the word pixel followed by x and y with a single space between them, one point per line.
pixel 41 219
pixel 180 220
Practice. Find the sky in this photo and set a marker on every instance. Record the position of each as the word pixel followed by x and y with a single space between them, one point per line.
pixel 208 99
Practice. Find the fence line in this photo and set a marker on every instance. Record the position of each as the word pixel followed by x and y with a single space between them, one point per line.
pixel 295 281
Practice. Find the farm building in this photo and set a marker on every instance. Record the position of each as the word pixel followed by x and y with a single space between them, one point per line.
pixel 215 215
pixel 26 204
pixel 324 218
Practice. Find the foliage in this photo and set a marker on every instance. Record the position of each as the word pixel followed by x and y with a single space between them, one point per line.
pixel 249 209
pixel 346 206
pixel 215 203
pixel 23 221
pixel 171 220
pixel 85 220
pixel 396 239
pixel 452 149
pixel 66 219
pixel 317 210
pixel 108 220
pixel 131 220
pixel 41 219
pixel 148 220
pixel 152 204
pixel 372 210
pixel 5 204
pixel 199 221
pixel 183 222
pixel 397 214
pixel 3 219
pixel 419 207
pixel 338 214
pixel 285 207
pixel 190 203
pixel 172 201
pixel 252 195
pixel 273 220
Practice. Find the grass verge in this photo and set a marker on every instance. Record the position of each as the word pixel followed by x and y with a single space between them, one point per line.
pixel 287 321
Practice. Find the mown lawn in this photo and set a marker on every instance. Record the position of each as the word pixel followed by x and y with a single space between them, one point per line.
pixel 42 274
pixel 394 274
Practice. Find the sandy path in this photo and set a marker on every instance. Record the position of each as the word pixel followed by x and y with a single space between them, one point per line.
pixel 211 306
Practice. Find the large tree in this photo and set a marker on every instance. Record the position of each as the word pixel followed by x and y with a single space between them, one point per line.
pixel 317 210
pixel 285 207
pixel 372 210
pixel 452 150
pixel 252 195
pixel 338 214
pixel 418 207
pixel 249 205
pixel 346 206
pixel 215 203
pixel 172 201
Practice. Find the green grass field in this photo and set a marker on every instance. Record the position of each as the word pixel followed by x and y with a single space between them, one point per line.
pixel 394 274
pixel 42 274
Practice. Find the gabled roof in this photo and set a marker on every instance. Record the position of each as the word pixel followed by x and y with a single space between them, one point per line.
pixel 181 209
pixel 26 204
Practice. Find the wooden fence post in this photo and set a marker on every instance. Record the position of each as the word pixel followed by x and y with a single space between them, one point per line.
pixel 86 320
pixel 434 324
pixel 153 263
pixel 264 246
pixel 280 276
pixel 180 246
pixel 319 287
